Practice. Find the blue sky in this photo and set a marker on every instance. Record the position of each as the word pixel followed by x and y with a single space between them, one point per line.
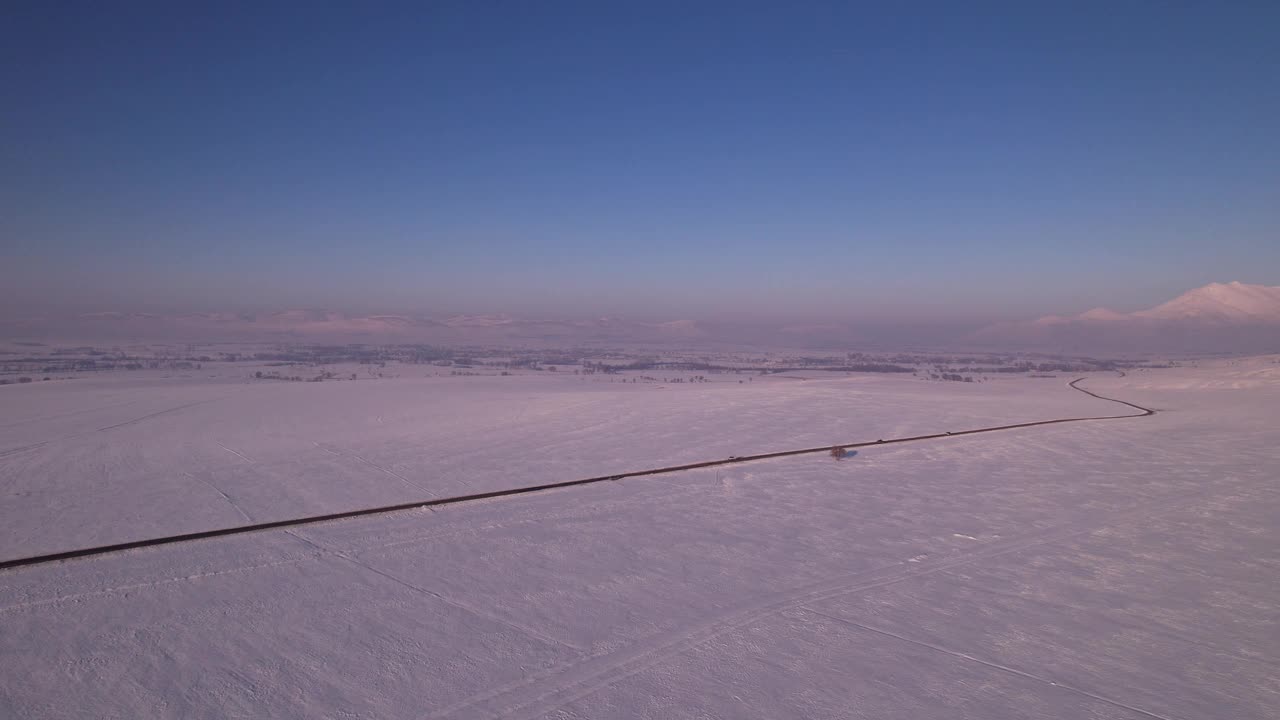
pixel 952 161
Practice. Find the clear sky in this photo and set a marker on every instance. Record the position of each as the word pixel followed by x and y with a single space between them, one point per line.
pixel 843 160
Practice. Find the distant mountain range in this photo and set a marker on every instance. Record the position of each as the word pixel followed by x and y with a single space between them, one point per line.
pixel 1222 317
pixel 1218 317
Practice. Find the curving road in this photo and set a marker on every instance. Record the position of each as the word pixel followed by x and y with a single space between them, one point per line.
pixel 437 502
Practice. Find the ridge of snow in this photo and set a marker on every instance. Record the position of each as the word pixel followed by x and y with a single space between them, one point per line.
pixel 1101 313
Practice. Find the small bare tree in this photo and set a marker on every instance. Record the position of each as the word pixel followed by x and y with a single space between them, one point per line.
pixel 838 452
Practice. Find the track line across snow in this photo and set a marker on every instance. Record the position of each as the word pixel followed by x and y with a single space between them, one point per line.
pixel 528 489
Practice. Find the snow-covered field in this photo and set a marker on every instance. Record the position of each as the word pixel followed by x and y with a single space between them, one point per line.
pixel 1112 569
pixel 123 457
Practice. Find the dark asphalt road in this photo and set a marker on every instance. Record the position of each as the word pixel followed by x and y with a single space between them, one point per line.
pixel 525 490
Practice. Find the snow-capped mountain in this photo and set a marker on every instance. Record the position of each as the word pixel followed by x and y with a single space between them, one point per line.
pixel 1232 302
pixel 1219 317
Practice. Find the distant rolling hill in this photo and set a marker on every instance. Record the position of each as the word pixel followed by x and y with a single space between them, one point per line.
pixel 1219 317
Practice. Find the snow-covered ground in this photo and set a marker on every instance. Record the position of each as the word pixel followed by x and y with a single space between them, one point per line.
pixel 123 457
pixel 1113 569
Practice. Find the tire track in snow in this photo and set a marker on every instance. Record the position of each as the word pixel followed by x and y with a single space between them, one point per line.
pixel 218 490
pixel 233 452
pixel 595 510
pixel 460 605
pixel 71 413
pixel 150 584
pixel 156 414
pixel 531 698
pixel 433 503
pixel 33 446
pixel 23 448
pixel 375 466
pixel 988 663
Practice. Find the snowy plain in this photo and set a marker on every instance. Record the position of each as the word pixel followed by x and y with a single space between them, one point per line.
pixel 1110 569
pixel 122 457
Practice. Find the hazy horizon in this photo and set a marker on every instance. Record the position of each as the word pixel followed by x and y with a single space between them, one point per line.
pixel 937 309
